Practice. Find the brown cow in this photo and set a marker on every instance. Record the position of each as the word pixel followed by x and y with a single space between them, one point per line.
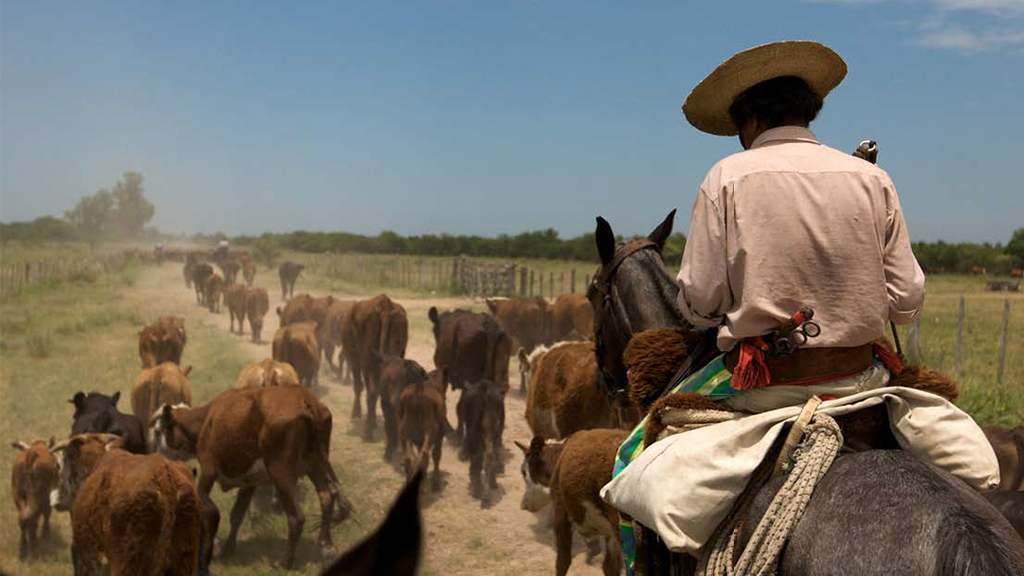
pixel 139 514
pixel 257 302
pixel 1016 272
pixel 421 424
pixel 212 288
pixel 234 301
pixel 378 325
pixel 163 384
pixel 482 407
pixel 33 476
pixel 978 271
pixel 1008 444
pixel 201 271
pixel 296 345
pixel 162 341
pixel 564 396
pixel 395 374
pixel 269 372
pixel 572 318
pixel 257 436
pixel 331 330
pixel 230 269
pixel 249 272
pixel 288 272
pixel 934 269
pixel 525 320
pixel 297 309
pixel 582 466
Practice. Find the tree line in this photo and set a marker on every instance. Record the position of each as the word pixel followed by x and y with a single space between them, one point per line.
pixel 119 212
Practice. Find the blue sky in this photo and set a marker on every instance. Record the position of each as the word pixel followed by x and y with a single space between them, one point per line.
pixel 483 117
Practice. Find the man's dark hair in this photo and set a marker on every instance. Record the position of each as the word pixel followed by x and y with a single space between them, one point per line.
pixel 782 101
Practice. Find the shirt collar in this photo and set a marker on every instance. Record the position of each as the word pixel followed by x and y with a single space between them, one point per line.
pixel 784 134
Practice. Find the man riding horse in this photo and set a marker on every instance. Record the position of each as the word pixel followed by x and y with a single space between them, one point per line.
pixel 786 230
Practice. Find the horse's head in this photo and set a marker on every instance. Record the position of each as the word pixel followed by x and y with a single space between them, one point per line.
pixel 630 292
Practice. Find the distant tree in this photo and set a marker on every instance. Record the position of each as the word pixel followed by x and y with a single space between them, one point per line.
pixel 1015 247
pixel 265 249
pixel 133 211
pixel 93 215
pixel 44 229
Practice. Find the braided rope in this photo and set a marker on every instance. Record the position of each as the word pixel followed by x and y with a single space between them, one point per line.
pixel 811 460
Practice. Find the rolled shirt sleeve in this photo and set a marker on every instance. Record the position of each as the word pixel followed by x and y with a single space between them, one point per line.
pixel 704 293
pixel 904 279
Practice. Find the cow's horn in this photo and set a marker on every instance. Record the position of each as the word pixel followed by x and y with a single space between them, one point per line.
pixel 19 445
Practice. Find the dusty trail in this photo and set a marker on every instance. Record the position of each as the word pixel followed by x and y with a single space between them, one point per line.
pixel 461 537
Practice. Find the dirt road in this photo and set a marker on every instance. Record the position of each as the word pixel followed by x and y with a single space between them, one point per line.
pixel 461 537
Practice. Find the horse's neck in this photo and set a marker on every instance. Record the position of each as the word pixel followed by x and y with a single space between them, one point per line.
pixel 652 303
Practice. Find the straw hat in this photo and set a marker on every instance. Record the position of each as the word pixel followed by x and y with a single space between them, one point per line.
pixel 707 106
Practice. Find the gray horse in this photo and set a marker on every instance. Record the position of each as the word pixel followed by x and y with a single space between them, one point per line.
pixel 875 512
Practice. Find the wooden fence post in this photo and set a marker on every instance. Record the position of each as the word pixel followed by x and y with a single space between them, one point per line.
pixel 561 284
pixel 531 282
pixel 572 281
pixel 522 281
pixel 551 285
pixel 959 336
pixel 1002 341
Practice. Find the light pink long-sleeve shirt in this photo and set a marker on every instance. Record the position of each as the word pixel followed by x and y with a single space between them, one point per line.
pixel 792 222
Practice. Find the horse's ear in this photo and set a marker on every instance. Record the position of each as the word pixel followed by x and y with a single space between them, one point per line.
pixel 432 314
pixel 114 398
pixel 660 234
pixel 523 447
pixel 605 239
pixel 395 547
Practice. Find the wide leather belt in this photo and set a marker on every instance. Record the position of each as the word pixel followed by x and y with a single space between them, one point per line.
pixel 812 365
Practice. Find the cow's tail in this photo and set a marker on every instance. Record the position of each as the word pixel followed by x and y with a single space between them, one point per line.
pixel 385 332
pixel 154 393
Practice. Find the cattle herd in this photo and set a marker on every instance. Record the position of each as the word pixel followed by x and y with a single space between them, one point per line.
pixel 138 509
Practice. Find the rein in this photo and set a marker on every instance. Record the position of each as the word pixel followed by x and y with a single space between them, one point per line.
pixel 608 305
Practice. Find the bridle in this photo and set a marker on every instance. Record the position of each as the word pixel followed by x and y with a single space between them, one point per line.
pixel 608 308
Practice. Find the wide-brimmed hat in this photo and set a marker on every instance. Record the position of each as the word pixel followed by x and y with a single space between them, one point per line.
pixel 707 106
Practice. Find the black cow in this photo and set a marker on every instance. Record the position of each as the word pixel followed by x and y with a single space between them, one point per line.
pixel 95 412
pixel 470 347
pixel 288 272
pixel 482 407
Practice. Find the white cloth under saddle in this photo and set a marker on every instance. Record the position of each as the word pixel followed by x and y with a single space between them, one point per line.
pixel 684 485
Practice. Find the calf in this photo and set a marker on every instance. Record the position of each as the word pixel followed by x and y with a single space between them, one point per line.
pixel 212 288
pixel 421 425
pixel 572 318
pixel 200 273
pixel 563 395
pixel 396 373
pixel 141 515
pixel 267 373
pixel 296 345
pixel 33 476
pixel 234 301
pixel 482 407
pixel 525 320
pixel 246 438
pixel 288 272
pixel 162 341
pixel 257 302
pixel 297 309
pixel 248 272
pixel 95 412
pixel 163 384
pixel 575 477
